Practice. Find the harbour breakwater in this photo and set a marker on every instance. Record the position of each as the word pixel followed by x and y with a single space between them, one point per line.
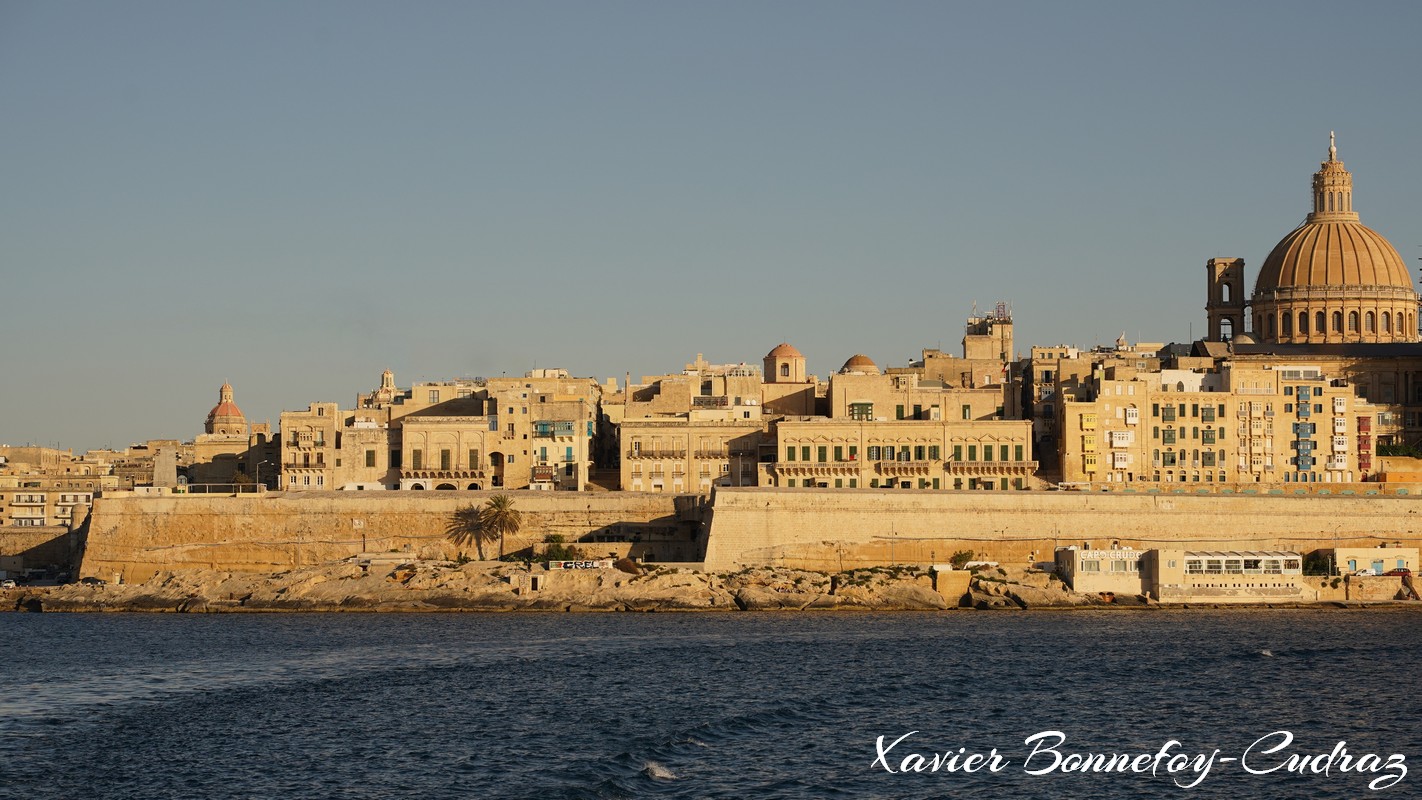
pixel 132 538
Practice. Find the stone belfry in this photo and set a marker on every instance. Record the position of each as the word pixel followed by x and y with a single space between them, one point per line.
pixel 1225 301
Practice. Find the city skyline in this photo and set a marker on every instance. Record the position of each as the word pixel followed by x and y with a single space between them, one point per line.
pixel 295 198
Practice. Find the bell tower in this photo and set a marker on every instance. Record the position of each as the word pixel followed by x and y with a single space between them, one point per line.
pixel 1224 307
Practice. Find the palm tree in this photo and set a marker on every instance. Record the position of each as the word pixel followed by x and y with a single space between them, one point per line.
pixel 473 524
pixel 466 525
pixel 500 518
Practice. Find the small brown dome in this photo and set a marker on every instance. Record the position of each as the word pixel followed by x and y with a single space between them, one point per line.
pixel 860 363
pixel 784 350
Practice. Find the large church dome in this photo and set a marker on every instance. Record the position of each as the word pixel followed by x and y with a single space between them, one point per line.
pixel 1333 279
pixel 1332 254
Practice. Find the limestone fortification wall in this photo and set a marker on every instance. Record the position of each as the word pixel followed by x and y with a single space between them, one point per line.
pixel 134 537
pixel 23 548
pixel 826 529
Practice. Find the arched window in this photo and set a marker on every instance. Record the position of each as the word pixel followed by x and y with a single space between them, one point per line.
pixel 1303 323
pixel 1387 322
pixel 1226 329
pixel 1318 322
pixel 1286 324
pixel 1330 201
pixel 1337 322
pixel 784 370
pixel 1370 323
pixel 1224 292
pixel 1352 322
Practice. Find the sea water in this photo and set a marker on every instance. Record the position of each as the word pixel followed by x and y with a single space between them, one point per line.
pixel 737 705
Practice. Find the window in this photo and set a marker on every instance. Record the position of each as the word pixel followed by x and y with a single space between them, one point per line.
pixel 1090 565
pixel 838 452
pixel 967 412
pixel 874 452
pixel 917 411
pixel 1352 322
pixel 898 412
pixel 1017 453
pixel 790 453
pixel 919 452
pixel 861 411
pixel 785 373
pixel 933 453
pixel 822 454
pixel 444 460
pixel 370 458
pixel 417 459
pixel 473 459
pixel 972 452
pixel 434 396
pixel 805 452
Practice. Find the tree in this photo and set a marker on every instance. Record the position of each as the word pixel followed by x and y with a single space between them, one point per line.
pixel 500 518
pixel 466 526
pixel 477 525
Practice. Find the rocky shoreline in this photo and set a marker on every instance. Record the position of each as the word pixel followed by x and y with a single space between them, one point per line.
pixel 496 586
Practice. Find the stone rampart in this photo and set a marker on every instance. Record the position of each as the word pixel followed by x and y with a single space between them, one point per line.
pixel 833 530
pixel 132 537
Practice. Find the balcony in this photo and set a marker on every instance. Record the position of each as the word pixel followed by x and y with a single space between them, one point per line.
pixel 27 500
pixel 814 469
pixel 710 402
pixel 645 452
pixel 710 454
pixel 990 467
pixel 442 474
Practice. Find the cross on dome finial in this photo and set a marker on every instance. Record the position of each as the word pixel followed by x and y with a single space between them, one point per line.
pixel 1332 148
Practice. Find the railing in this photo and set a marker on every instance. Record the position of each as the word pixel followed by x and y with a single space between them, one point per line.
pixel 649 453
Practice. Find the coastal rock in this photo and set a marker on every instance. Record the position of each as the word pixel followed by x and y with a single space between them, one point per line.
pixel 984 601
pixel 1034 597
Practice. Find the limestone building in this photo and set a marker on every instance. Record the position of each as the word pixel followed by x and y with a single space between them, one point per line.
pixel 533 432
pixel 1332 280
pixel 229 446
pixel 1243 424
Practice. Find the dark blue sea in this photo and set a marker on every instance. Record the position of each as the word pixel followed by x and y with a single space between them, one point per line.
pixel 709 705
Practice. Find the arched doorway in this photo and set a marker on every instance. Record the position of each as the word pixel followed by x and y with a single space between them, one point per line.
pixel 445 487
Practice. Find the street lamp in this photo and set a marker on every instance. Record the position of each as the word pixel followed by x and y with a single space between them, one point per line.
pixel 257 472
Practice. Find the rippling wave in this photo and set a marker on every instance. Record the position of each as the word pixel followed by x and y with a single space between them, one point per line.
pixel 682 706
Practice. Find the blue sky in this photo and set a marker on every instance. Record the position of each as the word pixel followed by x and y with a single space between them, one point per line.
pixel 294 196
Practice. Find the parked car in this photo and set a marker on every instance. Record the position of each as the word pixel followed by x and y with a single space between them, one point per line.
pixel 7 584
pixel 92 581
pixel 1397 573
pixel 1365 571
